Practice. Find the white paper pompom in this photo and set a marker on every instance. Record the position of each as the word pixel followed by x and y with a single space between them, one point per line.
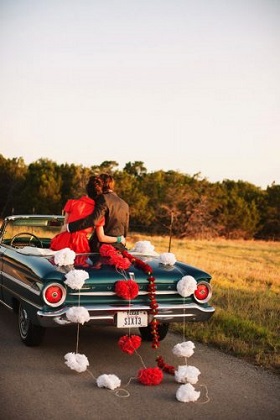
pixel 167 258
pixel 108 381
pixel 186 373
pixel 186 286
pixel 76 278
pixel 78 314
pixel 187 393
pixel 185 349
pixel 76 361
pixel 64 256
pixel 144 247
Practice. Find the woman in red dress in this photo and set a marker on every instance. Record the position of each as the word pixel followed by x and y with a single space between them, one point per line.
pixel 75 209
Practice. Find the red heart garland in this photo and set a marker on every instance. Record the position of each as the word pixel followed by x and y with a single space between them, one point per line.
pixel 128 344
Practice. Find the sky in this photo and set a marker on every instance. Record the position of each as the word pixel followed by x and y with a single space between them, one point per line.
pixel 185 85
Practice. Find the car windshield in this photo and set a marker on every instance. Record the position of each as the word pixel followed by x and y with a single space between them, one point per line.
pixel 44 227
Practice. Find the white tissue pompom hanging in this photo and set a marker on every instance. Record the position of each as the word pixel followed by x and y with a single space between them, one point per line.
pixel 167 258
pixel 76 278
pixel 185 374
pixel 76 361
pixel 185 349
pixel 187 393
pixel 186 286
pixel 64 256
pixel 108 381
pixel 78 314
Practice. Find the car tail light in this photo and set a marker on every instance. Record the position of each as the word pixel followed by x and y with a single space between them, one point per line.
pixel 203 292
pixel 54 294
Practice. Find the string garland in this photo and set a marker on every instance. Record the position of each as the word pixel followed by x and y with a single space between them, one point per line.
pixel 147 269
pixel 128 289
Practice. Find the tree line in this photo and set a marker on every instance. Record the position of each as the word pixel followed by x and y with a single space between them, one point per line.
pixel 161 202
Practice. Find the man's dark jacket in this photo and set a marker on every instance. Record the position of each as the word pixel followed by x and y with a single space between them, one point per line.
pixel 116 213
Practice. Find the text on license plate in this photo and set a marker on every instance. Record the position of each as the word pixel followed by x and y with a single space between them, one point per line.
pixel 127 319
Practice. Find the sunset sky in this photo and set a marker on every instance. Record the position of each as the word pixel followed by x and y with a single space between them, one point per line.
pixel 185 85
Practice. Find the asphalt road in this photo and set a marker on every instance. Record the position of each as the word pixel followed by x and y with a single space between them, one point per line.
pixel 36 384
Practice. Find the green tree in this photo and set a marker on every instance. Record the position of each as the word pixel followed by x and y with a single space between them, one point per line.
pixel 108 166
pixel 193 206
pixel 73 182
pixel 239 211
pixel 129 188
pixel 270 214
pixel 160 202
pixel 136 168
pixel 42 190
pixel 12 177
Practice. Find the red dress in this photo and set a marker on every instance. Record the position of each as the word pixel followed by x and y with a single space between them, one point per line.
pixel 77 241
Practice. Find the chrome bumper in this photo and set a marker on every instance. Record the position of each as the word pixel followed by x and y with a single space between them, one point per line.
pixel 104 315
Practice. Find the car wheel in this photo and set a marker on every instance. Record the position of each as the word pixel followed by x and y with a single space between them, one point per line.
pixel 147 335
pixel 30 334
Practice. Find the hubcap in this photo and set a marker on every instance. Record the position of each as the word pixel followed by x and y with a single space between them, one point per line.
pixel 23 322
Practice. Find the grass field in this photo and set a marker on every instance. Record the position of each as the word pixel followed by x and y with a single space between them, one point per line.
pixel 246 295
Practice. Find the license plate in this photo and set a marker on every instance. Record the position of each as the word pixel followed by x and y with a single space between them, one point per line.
pixel 132 319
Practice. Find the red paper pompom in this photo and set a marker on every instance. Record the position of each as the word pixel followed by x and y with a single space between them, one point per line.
pixel 125 264
pixel 119 261
pixel 127 289
pixel 128 344
pixel 107 250
pixel 150 376
pixel 114 257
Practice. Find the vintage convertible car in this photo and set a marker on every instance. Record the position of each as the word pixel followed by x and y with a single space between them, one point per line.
pixel 34 285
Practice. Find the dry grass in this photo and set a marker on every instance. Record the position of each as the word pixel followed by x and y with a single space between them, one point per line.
pixel 246 290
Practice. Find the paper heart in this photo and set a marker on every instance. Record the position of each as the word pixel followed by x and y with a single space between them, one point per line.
pixel 128 344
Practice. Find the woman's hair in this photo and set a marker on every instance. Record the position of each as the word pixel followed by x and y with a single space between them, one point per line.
pixel 94 186
pixel 108 182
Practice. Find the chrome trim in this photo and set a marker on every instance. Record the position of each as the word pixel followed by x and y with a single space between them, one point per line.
pixel 162 292
pixel 20 283
pixel 20 298
pixel 6 305
pixel 63 297
pixel 106 315
pixel 209 294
